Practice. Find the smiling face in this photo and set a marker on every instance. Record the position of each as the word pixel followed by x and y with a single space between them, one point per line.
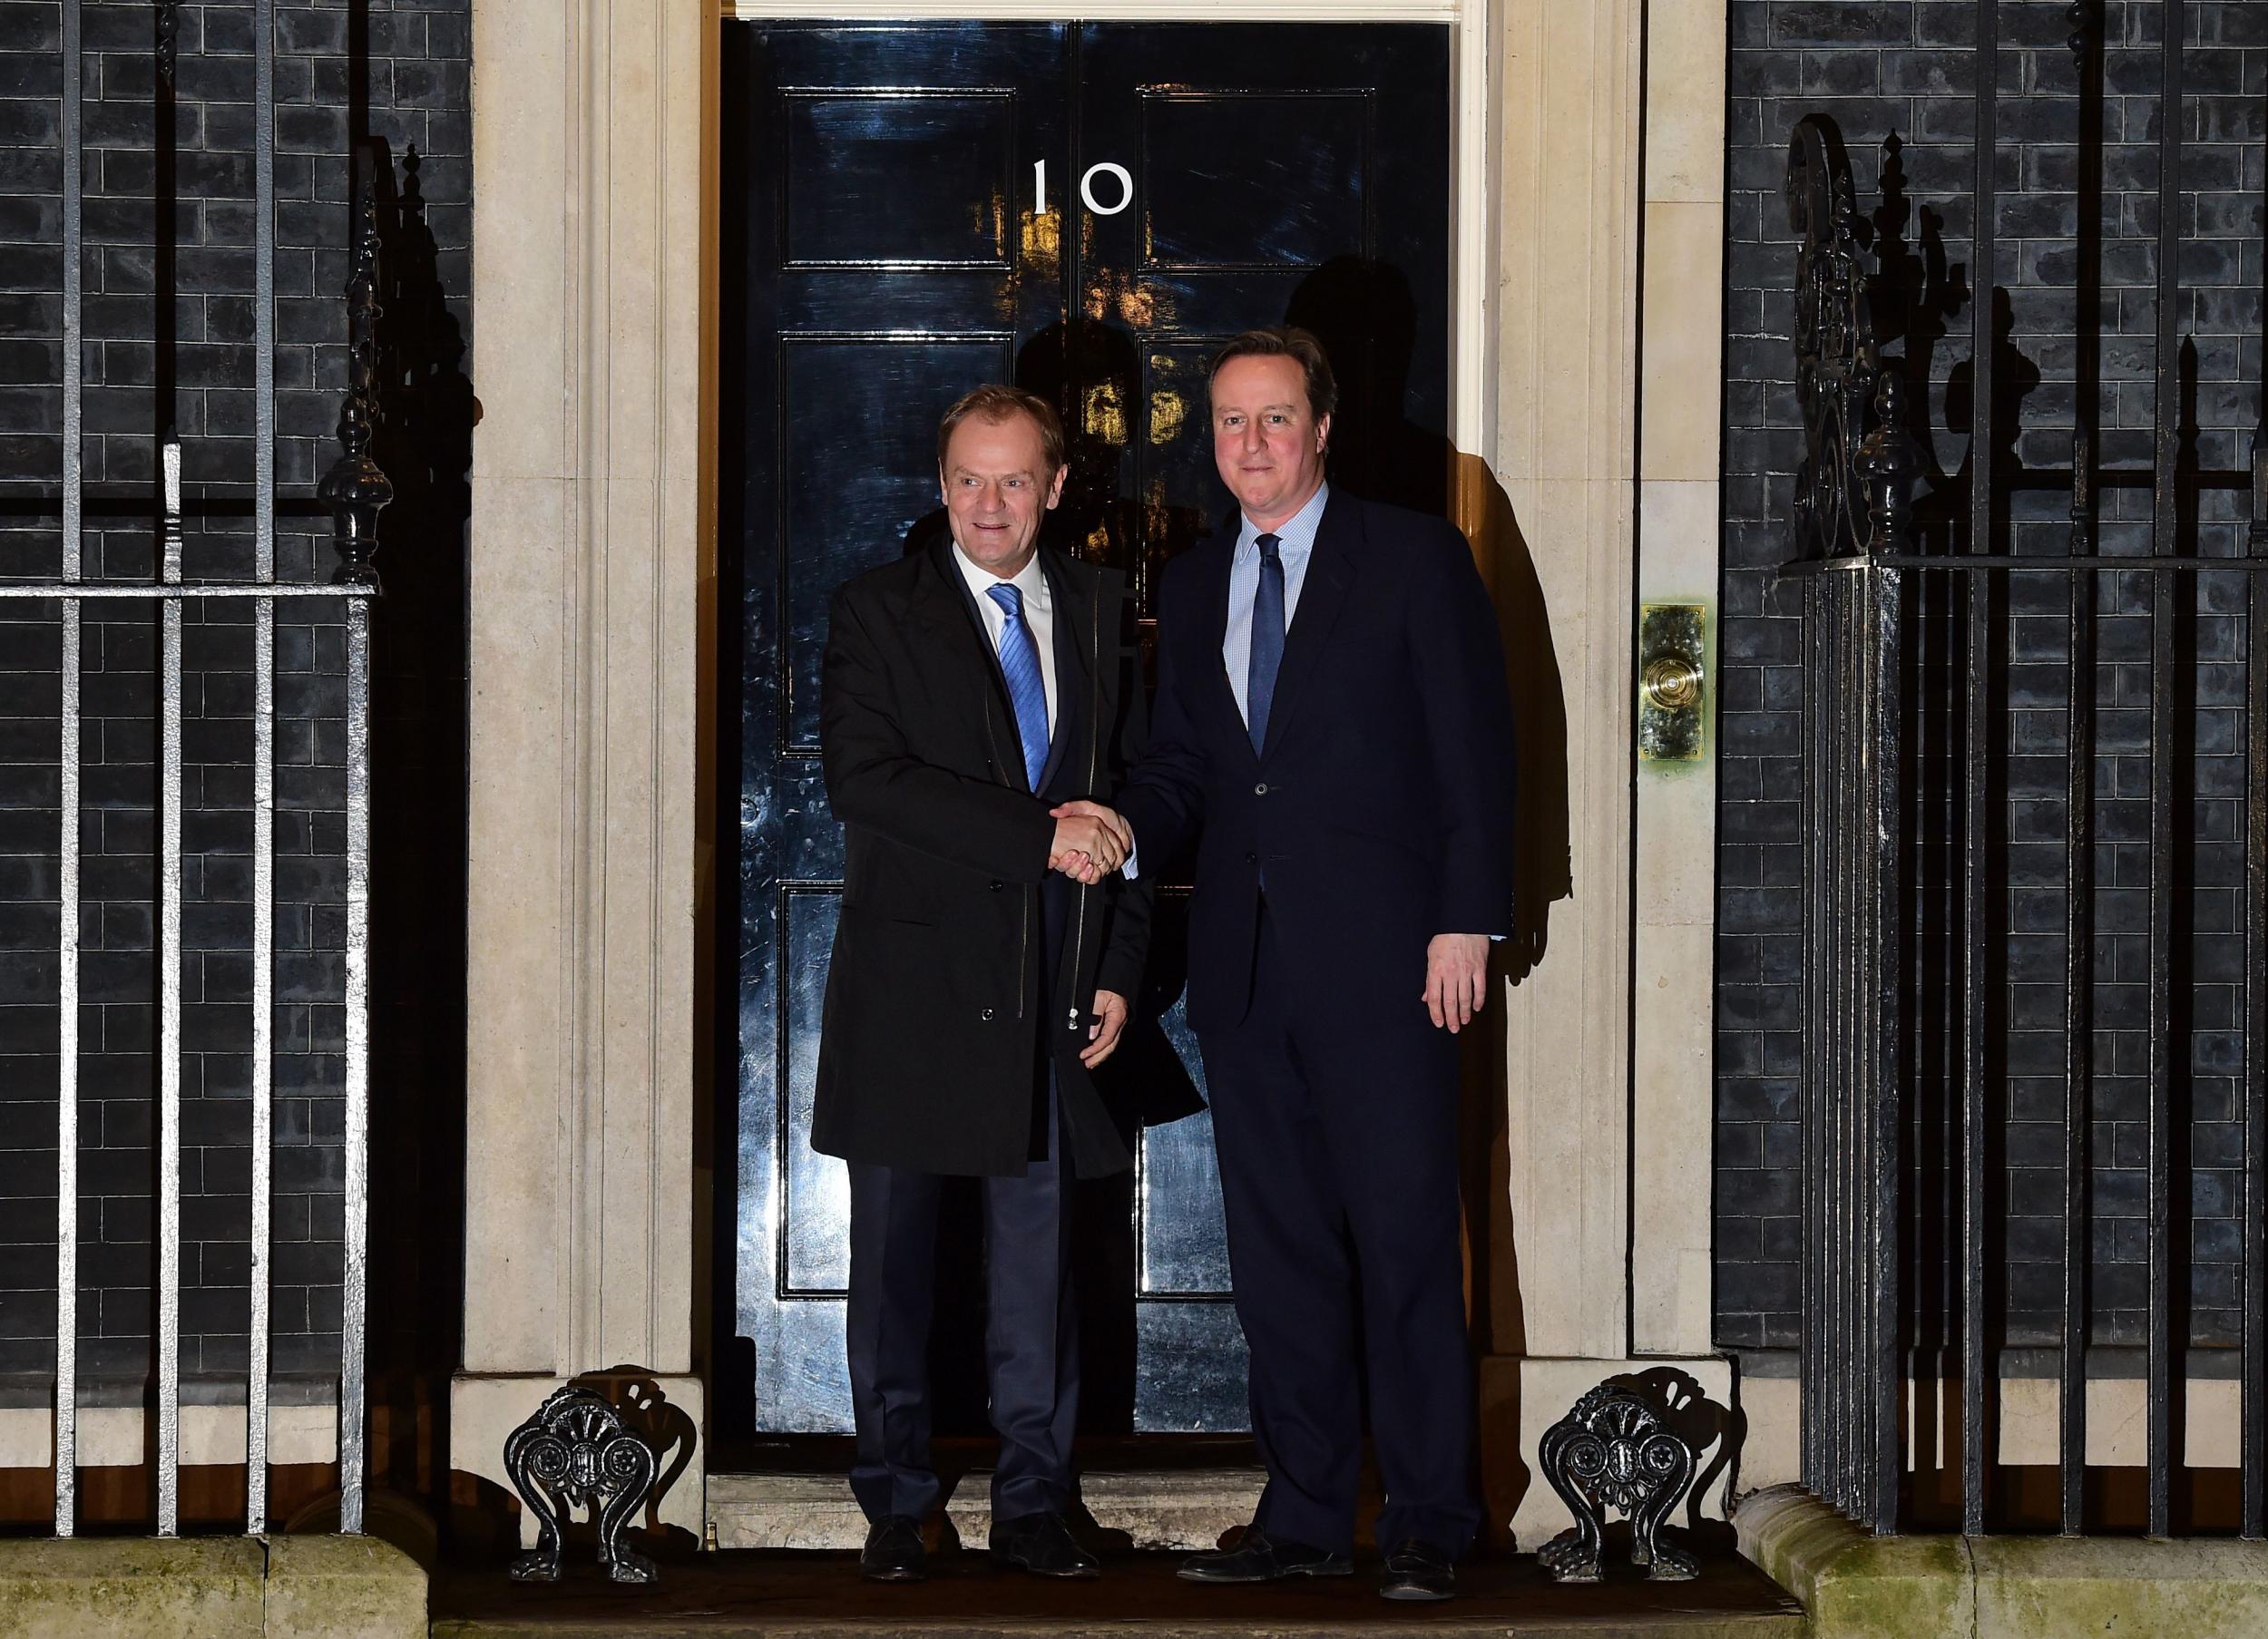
pixel 997 487
pixel 1266 441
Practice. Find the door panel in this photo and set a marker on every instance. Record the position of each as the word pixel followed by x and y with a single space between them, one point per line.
pixel 1284 173
pixel 883 253
pixel 845 152
pixel 1260 191
pixel 1221 193
pixel 815 1216
pixel 873 275
pixel 837 392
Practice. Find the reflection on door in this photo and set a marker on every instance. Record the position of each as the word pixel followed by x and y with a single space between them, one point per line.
pixel 886 250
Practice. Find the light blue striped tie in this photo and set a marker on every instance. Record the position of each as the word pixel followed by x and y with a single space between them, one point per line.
pixel 1019 664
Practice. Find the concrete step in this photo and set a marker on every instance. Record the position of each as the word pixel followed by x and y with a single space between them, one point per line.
pixel 818 1595
pixel 1133 1508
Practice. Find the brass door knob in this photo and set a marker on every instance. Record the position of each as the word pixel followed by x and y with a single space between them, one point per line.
pixel 1671 682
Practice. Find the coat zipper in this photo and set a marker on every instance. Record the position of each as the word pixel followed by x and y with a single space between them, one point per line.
pixel 1094 760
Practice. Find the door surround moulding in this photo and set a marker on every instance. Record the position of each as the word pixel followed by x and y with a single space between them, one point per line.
pixel 1472 270
pixel 591 543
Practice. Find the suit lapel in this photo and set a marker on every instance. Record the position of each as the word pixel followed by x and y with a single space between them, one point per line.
pixel 1213 627
pixel 1322 595
pixel 1073 595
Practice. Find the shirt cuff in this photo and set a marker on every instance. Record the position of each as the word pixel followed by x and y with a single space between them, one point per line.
pixel 1133 866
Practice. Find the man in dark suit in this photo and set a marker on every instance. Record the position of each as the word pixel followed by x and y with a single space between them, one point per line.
pixel 1333 732
pixel 983 966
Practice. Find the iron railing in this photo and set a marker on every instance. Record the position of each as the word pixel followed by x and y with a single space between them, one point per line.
pixel 354 490
pixel 1905 882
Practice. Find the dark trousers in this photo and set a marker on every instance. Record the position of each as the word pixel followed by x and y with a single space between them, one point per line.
pixel 1337 1138
pixel 1030 1337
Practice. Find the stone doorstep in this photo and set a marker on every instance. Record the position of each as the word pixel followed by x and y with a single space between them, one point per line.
pixel 791 1595
pixel 1858 1586
pixel 210 1587
pixel 1157 1507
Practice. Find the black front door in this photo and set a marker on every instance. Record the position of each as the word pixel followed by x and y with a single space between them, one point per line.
pixel 1087 211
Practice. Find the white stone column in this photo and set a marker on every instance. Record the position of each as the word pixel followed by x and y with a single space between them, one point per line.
pixel 1681 400
pixel 1610 236
pixel 1567 361
pixel 590 542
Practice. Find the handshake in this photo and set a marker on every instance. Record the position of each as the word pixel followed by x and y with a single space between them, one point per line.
pixel 1090 841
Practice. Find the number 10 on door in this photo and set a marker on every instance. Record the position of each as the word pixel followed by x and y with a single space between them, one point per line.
pixel 1117 173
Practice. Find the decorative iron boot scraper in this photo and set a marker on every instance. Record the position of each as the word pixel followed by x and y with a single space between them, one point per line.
pixel 575 1451
pixel 1614 1450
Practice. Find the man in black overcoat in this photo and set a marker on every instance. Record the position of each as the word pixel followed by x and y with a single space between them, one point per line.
pixel 1332 734
pixel 983 965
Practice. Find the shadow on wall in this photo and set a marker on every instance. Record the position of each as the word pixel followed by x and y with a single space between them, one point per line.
pixel 1542 876
pixel 424 442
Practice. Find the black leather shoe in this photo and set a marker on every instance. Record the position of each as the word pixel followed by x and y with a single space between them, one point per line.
pixel 1259 1558
pixel 1417 1570
pixel 894 1551
pixel 1041 1544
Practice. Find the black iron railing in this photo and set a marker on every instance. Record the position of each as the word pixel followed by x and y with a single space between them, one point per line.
pixel 1906 1072
pixel 354 491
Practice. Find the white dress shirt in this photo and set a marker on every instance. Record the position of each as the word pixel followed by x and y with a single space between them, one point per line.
pixel 1295 543
pixel 1039 613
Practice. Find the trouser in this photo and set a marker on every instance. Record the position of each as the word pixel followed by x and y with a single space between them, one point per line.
pixel 1337 1138
pixel 1030 1337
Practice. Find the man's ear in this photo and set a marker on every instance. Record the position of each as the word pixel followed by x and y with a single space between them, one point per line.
pixel 1323 434
pixel 1055 489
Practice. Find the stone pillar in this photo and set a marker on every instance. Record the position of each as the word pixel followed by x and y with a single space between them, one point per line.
pixel 1608 238
pixel 1570 94
pixel 1569 98
pixel 1681 376
pixel 591 540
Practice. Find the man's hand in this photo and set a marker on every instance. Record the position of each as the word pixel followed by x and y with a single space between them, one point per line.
pixel 1102 1036
pixel 1091 841
pixel 1456 978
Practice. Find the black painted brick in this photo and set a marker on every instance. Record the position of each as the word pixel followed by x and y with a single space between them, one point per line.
pixel 1908 69
pixel 416 86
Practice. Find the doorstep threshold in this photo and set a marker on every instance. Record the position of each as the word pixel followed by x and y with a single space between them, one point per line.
pixel 1136 1508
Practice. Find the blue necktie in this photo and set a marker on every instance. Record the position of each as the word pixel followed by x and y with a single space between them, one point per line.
pixel 1267 641
pixel 1019 664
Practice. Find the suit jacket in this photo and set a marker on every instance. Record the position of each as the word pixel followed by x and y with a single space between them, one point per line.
pixel 940 1006
pixel 1381 808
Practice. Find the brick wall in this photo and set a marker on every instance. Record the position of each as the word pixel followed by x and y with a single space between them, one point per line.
pixel 1898 79
pixel 398 70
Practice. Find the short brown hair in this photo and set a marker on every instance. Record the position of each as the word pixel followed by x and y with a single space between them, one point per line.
pixel 1286 341
pixel 996 404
